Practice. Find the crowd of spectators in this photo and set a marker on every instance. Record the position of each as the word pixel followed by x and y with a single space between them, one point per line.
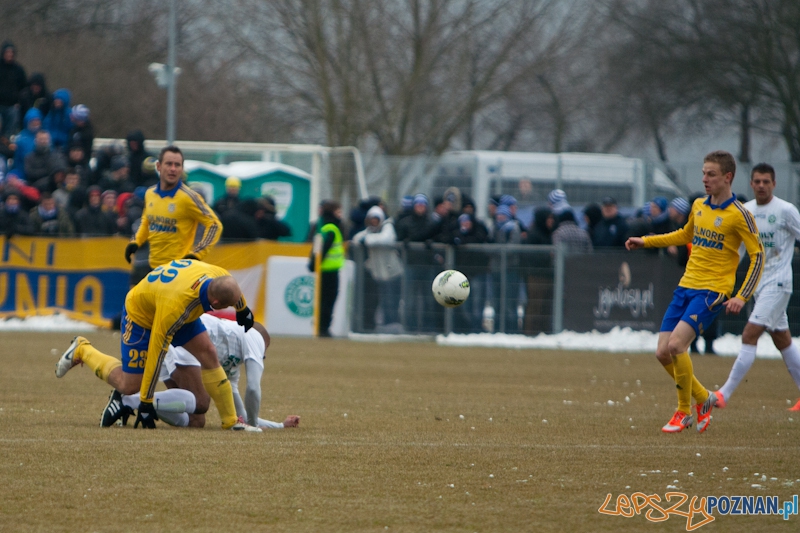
pixel 52 184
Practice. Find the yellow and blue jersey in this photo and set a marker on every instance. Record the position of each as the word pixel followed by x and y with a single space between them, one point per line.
pixel 716 232
pixel 170 220
pixel 170 296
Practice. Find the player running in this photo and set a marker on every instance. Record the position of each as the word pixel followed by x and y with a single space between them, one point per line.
pixel 718 224
pixel 778 228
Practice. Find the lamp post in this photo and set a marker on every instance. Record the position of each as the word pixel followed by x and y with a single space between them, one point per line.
pixel 167 75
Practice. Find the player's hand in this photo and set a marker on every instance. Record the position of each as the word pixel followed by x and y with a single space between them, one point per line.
pixel 147 416
pixel 191 256
pixel 734 305
pixel 245 318
pixel 130 250
pixel 634 243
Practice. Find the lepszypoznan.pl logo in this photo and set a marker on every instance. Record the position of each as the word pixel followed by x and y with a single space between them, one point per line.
pixel 699 511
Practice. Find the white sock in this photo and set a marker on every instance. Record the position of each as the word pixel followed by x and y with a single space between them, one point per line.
pixel 174 419
pixel 269 424
pixel 791 356
pixel 740 367
pixel 166 401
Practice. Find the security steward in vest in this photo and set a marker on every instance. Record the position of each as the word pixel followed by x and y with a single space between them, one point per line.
pixel 332 260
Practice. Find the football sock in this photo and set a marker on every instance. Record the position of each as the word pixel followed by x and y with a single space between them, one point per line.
pixel 166 401
pixel 100 363
pixel 697 388
pixel 682 366
pixel 791 356
pixel 747 354
pixel 219 388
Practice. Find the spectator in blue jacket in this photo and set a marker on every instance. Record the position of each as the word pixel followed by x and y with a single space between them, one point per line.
pixel 26 140
pixel 57 121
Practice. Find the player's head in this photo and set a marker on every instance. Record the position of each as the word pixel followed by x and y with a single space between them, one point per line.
pixel 170 166
pixel 725 160
pixel 762 181
pixel 223 292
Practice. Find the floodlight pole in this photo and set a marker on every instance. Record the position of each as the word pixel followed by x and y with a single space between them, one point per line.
pixel 171 74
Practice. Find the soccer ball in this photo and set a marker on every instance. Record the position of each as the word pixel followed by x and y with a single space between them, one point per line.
pixel 450 288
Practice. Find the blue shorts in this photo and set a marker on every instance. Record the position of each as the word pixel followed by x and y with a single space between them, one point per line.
pixel 698 308
pixel 135 340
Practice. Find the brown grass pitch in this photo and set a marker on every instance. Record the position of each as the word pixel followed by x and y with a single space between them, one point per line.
pixel 382 444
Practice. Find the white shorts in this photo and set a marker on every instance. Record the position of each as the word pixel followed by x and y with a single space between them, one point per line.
pixel 770 310
pixel 176 356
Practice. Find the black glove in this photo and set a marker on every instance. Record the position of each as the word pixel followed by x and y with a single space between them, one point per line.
pixel 147 416
pixel 191 256
pixel 130 250
pixel 245 318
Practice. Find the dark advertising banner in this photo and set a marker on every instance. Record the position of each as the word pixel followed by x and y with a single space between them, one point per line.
pixel 627 290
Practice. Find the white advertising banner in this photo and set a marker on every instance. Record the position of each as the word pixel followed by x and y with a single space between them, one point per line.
pixel 290 298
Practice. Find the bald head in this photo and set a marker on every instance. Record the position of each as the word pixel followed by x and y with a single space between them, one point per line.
pixel 223 292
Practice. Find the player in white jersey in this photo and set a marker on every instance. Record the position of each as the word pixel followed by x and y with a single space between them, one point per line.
pixel 778 224
pixel 234 347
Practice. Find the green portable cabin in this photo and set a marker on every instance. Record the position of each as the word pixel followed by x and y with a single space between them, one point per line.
pixel 289 186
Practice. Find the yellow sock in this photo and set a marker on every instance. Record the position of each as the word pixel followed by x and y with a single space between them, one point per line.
pixel 682 366
pixel 100 363
pixel 219 388
pixel 699 393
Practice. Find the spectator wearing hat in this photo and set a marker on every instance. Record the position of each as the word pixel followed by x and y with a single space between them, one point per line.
pixel 659 216
pixel 406 208
pixel 57 120
pixel 506 230
pixel 14 220
pixel 26 140
pixel 43 161
pixel 557 201
pixel 513 206
pixel 612 230
pixel 12 82
pixel 91 220
pixel 383 270
pixel 358 215
pixel 268 226
pixel 418 227
pixel 82 131
pixel 137 154
pixel 35 95
pixel 233 186
pixel 117 176
pixel 49 219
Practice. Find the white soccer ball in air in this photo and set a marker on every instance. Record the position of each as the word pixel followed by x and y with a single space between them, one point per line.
pixel 450 288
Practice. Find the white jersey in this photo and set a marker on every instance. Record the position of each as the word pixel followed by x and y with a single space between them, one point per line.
pixel 778 227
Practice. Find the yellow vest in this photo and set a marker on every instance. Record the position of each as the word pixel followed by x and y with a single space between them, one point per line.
pixel 334 259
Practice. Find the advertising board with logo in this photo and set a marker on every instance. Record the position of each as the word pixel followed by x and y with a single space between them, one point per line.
pixel 626 290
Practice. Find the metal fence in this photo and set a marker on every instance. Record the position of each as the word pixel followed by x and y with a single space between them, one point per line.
pixel 525 289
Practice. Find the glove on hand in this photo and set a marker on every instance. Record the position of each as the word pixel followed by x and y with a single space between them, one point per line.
pixel 245 318
pixel 130 250
pixel 147 416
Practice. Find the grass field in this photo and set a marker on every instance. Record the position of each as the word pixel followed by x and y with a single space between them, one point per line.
pixel 394 437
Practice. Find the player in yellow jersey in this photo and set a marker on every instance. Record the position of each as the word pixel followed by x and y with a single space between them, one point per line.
pixel 718 224
pixel 172 212
pixel 163 309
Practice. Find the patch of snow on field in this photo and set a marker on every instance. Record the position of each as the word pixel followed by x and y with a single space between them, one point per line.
pixel 45 323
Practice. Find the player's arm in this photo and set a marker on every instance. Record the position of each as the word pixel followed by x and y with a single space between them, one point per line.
pixel 675 238
pixel 212 227
pixel 139 238
pixel 749 234
pixel 252 393
pixel 792 220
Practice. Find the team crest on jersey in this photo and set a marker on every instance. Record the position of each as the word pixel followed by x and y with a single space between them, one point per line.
pixel 717 222
pixel 693 317
pixel 699 213
pixel 171 208
pixel 772 219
